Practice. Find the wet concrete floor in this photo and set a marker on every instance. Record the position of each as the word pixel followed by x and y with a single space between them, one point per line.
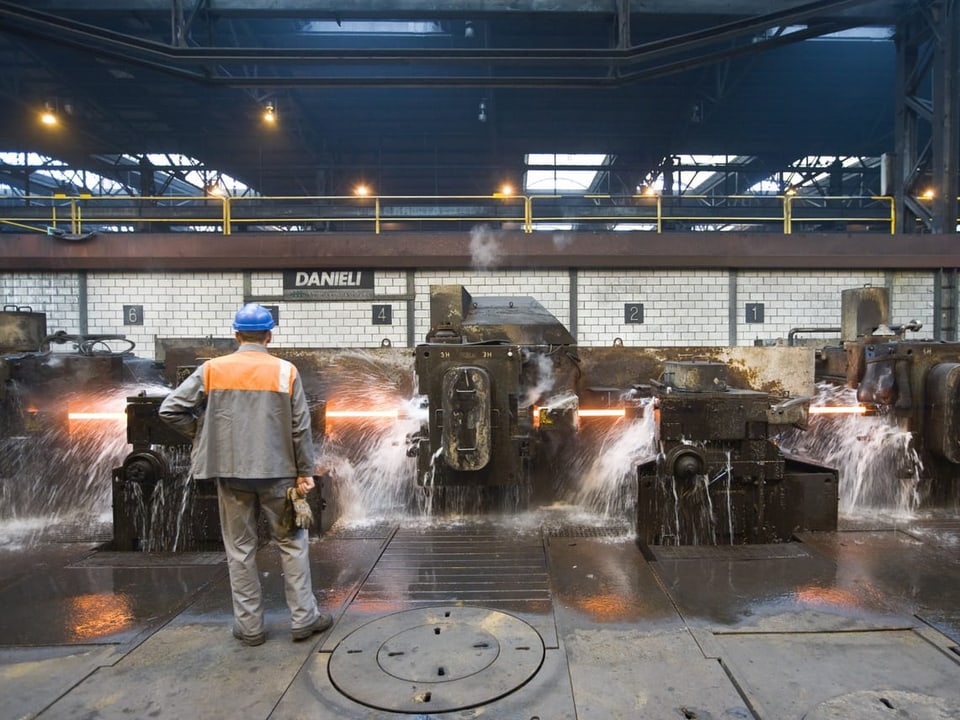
pixel 512 620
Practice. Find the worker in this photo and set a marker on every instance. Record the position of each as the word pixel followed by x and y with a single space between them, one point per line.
pixel 248 417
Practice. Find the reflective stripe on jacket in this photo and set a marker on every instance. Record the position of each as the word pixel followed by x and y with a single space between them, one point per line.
pixel 248 417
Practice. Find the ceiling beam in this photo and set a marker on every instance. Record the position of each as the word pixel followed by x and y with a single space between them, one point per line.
pixel 612 66
pixel 446 8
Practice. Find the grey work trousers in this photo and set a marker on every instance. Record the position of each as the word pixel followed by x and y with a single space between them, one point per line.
pixel 239 500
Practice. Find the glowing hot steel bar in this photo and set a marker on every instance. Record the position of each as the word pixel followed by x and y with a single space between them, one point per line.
pixel 349 414
pixel 839 410
pixel 90 421
pixel 583 413
pixel 117 416
pixel 587 412
pixel 602 412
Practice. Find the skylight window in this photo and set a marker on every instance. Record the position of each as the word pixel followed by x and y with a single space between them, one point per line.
pixel 371 27
pixel 199 176
pixel 693 174
pixel 802 177
pixel 558 173
pixel 48 172
pixel 869 33
pixel 181 175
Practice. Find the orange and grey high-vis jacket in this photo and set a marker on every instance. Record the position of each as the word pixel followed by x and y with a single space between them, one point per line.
pixel 247 414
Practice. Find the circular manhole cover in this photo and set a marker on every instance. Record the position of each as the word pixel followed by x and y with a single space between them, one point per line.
pixel 436 659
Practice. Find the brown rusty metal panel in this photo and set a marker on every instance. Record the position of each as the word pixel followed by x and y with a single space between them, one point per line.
pixel 466 418
pixel 943 428
pixel 862 310
pixel 449 305
pixel 364 376
pixel 780 370
pixel 21 330
pixel 272 251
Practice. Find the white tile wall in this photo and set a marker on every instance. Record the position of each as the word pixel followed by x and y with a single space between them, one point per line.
pixel 56 294
pixel 911 298
pixel 174 305
pixel 795 299
pixel 336 323
pixel 681 307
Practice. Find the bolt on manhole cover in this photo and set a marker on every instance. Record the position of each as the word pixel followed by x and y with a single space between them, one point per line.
pixel 436 659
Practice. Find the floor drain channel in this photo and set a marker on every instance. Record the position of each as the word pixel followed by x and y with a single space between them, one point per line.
pixel 451 658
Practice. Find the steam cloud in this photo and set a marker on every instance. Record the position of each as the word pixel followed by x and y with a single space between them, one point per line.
pixel 484 248
pixel 545 380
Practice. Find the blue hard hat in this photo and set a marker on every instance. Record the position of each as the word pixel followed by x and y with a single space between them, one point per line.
pixel 252 317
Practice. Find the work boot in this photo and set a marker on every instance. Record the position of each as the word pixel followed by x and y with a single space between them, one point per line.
pixel 249 640
pixel 323 621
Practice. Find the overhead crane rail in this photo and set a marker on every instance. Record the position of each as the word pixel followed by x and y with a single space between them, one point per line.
pixel 77 215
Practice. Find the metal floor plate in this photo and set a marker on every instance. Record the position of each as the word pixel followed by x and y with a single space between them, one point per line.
pixel 813 675
pixel 842 628
pixel 872 704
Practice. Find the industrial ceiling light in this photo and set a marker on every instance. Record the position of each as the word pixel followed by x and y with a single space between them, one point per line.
pixel 49 115
pixel 270 114
pixel 468 29
pixel 361 190
pixel 482 114
pixel 215 189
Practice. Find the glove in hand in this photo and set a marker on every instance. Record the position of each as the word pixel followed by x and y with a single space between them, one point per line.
pixel 302 514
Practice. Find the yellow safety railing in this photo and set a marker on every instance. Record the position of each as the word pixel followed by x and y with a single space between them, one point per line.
pixel 830 208
pixel 384 213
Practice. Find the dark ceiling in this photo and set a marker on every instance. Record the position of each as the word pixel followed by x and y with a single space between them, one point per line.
pixel 402 112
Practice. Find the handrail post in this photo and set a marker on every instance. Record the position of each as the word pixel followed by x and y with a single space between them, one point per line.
pixel 527 214
pixel 659 213
pixel 787 214
pixel 376 215
pixel 226 215
pixel 74 212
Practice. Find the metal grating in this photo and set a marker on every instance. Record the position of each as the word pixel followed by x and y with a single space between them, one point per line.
pixel 470 565
pixel 117 559
pixel 779 551
pixel 942 532
pixel 61 532
pixel 377 531
pixel 591 531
